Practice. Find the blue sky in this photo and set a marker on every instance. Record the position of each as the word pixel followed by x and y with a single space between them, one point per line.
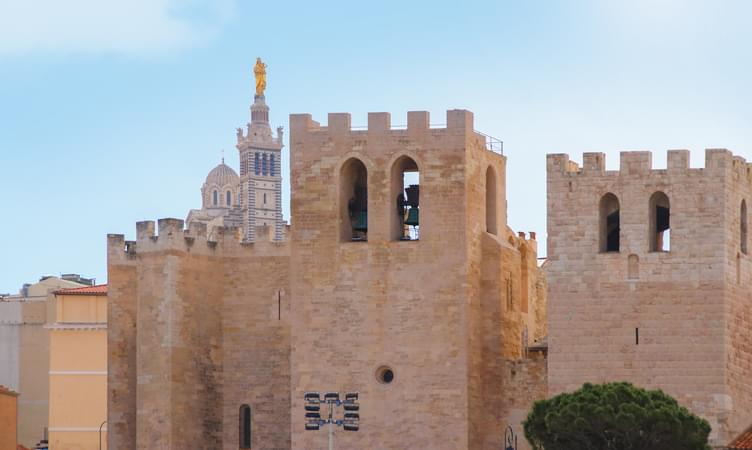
pixel 114 111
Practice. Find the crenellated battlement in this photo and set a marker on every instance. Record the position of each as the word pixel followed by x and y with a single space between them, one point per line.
pixel 640 163
pixel 170 234
pixel 459 122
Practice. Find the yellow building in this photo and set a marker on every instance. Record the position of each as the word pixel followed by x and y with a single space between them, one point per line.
pixel 78 370
pixel 25 350
pixel 8 418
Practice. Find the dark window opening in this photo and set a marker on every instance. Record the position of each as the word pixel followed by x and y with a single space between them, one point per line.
pixel 271 165
pixel 353 200
pixel 637 336
pixel 215 198
pixel 245 426
pixel 406 192
pixel 228 198
pixel 491 200
pixel 660 228
pixel 264 167
pixel 743 227
pixel 385 375
pixel 609 223
pixel 256 166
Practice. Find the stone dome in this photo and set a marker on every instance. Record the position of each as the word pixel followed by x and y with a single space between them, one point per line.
pixel 222 175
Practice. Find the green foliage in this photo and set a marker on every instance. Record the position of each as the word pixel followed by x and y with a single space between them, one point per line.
pixel 616 416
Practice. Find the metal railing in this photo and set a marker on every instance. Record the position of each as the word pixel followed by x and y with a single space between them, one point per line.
pixel 493 144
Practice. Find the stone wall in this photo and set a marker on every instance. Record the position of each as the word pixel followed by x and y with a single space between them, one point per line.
pixel 184 316
pixel 738 311
pixel 524 381
pixel 660 319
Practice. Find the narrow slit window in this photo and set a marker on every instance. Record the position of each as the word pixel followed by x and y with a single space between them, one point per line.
pixel 609 223
pixel 743 227
pixel 245 426
pixel 228 198
pixel 271 165
pixel 491 200
pixel 264 167
pixel 660 227
pixel 215 198
pixel 256 166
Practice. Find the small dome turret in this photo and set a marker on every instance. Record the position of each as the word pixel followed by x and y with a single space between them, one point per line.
pixel 222 175
pixel 221 187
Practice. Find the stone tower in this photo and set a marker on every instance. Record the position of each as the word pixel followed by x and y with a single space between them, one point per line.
pixel 419 322
pixel 650 279
pixel 260 177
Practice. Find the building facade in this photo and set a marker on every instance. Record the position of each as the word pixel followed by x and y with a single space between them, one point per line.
pixel 8 419
pixel 78 370
pixel 399 260
pixel 25 350
pixel 650 278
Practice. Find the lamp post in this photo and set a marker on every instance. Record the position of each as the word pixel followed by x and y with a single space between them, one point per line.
pixel 100 434
pixel 350 420
pixel 510 439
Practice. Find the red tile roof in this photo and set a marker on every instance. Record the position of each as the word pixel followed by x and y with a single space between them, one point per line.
pixel 9 391
pixel 100 289
pixel 743 442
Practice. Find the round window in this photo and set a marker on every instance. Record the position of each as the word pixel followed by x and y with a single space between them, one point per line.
pixel 385 375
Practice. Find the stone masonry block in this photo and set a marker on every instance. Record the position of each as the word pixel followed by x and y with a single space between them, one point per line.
pixel 593 162
pixel 379 122
pixel 635 163
pixel 144 229
pixel 169 226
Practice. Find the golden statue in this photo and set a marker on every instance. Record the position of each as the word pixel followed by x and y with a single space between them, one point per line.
pixel 259 70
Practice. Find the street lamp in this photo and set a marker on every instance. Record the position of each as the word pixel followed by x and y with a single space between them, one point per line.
pixel 510 439
pixel 100 434
pixel 350 420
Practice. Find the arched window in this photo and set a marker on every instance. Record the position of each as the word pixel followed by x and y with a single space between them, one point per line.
pixel 743 227
pixel 245 426
pixel 271 165
pixel 228 198
pixel 215 198
pixel 405 223
pixel 609 223
pixel 353 201
pixel 660 232
pixel 264 167
pixel 256 165
pixel 491 200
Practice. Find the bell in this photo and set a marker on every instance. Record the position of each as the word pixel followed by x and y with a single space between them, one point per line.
pixel 361 224
pixel 413 192
pixel 412 217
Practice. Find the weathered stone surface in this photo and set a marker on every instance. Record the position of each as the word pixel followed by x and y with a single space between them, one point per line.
pixel 691 304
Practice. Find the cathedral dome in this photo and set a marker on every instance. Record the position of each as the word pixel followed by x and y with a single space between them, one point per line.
pixel 222 175
pixel 221 188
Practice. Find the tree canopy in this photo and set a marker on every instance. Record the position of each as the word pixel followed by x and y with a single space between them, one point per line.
pixel 616 416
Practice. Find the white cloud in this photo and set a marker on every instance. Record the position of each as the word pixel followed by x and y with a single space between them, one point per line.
pixel 114 26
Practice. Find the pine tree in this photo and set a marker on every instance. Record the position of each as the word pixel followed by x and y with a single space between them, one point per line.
pixel 614 416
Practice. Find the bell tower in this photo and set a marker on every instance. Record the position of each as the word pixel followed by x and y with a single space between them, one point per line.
pixel 260 164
